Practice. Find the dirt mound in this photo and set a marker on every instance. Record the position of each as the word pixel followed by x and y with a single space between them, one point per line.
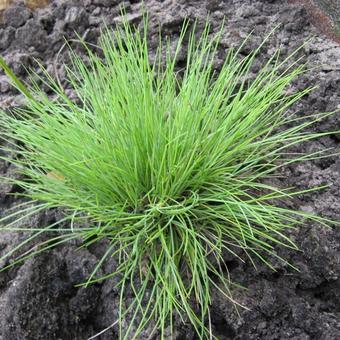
pixel 38 300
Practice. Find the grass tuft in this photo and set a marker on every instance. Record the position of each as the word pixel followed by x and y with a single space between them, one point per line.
pixel 172 167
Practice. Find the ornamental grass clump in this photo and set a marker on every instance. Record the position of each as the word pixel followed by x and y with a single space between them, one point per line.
pixel 171 166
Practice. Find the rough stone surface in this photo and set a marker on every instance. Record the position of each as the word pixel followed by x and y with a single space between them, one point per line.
pixel 16 16
pixel 6 37
pixel 39 300
pixel 31 35
pixel 105 3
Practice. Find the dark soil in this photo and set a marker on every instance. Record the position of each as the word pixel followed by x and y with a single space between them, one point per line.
pixel 39 300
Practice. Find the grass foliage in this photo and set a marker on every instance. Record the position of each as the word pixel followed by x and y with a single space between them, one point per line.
pixel 171 166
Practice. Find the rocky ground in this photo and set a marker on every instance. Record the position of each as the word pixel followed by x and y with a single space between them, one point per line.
pixel 38 299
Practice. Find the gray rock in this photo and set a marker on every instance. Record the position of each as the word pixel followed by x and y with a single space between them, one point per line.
pixel 105 3
pixel 213 5
pixel 96 11
pixel 31 34
pixel 6 37
pixel 129 17
pixel 76 18
pixel 4 88
pixel 16 16
pixel 19 62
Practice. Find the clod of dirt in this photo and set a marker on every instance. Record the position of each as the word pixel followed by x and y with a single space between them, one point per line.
pixel 38 299
pixel 16 16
